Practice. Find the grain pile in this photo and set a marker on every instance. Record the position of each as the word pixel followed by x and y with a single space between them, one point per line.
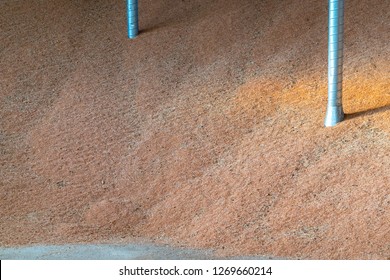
pixel 206 131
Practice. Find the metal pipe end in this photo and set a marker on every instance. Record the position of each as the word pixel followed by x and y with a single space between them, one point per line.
pixel 132 34
pixel 334 115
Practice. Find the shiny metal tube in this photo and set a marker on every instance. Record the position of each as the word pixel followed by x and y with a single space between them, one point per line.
pixel 334 112
pixel 132 18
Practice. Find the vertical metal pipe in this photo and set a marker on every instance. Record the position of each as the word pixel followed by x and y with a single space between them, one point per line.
pixel 132 18
pixel 334 112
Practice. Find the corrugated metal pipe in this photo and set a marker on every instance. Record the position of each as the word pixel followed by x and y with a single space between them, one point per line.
pixel 132 18
pixel 334 112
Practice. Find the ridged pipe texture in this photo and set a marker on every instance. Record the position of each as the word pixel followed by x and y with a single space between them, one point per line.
pixel 132 18
pixel 334 112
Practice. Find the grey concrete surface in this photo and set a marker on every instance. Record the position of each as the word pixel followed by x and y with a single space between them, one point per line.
pixel 107 252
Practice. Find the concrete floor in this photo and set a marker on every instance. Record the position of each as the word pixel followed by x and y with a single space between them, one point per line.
pixel 100 252
pixel 107 252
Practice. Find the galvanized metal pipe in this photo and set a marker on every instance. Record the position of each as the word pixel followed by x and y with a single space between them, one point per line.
pixel 132 18
pixel 334 112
